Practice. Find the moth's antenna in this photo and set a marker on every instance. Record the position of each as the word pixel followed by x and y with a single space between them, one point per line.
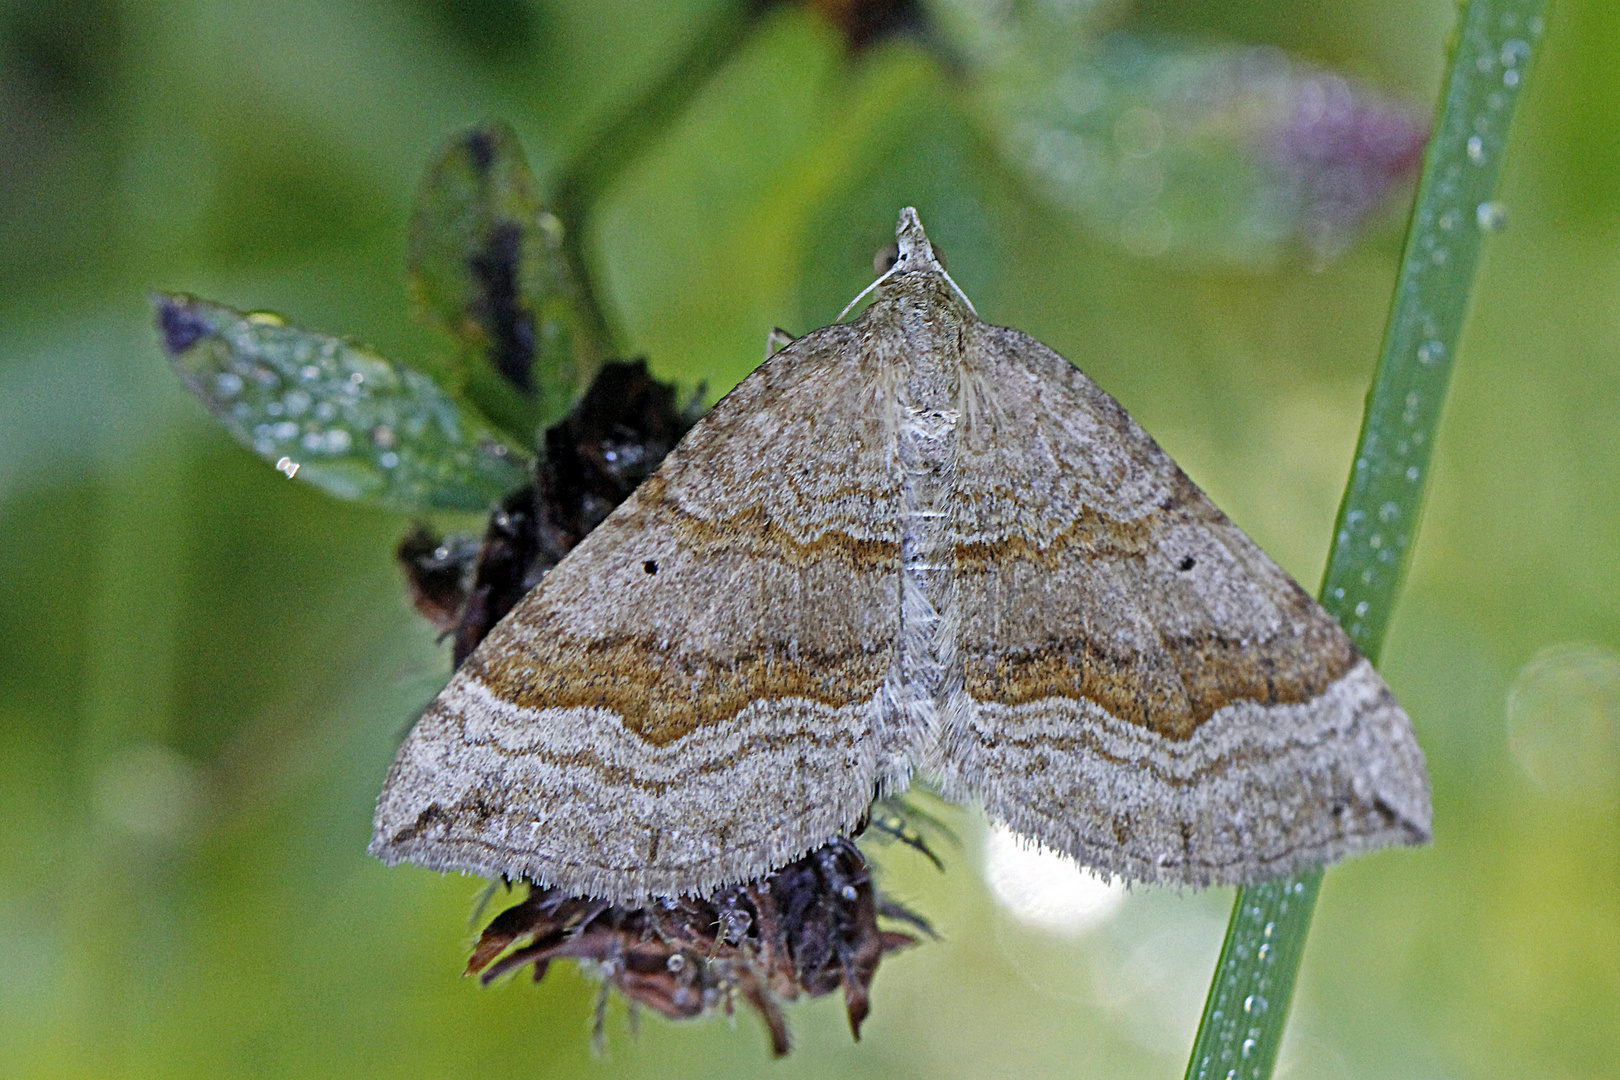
pixel 887 274
pixel 959 292
pixel 910 240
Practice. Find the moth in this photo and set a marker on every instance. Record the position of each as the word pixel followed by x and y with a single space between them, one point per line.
pixel 911 544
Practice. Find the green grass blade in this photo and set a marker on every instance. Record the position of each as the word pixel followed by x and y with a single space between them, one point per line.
pixel 1247 1009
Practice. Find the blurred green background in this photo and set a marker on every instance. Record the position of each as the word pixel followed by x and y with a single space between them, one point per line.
pixel 206 667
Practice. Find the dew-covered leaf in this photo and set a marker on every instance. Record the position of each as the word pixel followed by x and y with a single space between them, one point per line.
pixel 1210 150
pixel 486 266
pixel 335 413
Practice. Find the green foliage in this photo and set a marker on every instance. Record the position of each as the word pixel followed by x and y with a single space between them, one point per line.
pixel 205 670
pixel 1489 67
pixel 1218 152
pixel 486 266
pixel 334 413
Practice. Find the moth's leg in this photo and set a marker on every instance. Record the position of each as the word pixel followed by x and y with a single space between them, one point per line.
pixel 776 341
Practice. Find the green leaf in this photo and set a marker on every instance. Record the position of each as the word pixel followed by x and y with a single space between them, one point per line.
pixel 487 267
pixel 334 413
pixel 1378 517
pixel 1215 151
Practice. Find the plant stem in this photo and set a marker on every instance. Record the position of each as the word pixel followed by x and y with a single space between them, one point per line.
pixel 1247 1009
pixel 625 137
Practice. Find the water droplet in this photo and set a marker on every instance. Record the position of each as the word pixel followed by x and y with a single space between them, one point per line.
pixel 1361 608
pixel 285 430
pixel 1375 541
pixel 228 384
pixel 1439 256
pixel 297 403
pixel 274 408
pixel 1431 351
pixel 325 411
pixel 1476 149
pixel 1515 50
pixel 1264 952
pixel 388 459
pixel 675 962
pixel 310 372
pixel 288 467
pixel 338 441
pixel 313 440
pixel 1388 512
pixel 1491 216
pixel 1563 721
pixel 1338 594
pixel 1254 1004
pixel 1248 1047
pixel 1268 929
pixel 1412 472
pixel 1510 78
pixel 1449 219
pixel 848 893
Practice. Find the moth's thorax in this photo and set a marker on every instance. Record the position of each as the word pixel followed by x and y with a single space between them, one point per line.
pixel 919 325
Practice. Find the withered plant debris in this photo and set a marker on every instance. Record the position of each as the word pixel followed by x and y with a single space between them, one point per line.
pixel 867 23
pixel 438 574
pixel 590 462
pixel 810 927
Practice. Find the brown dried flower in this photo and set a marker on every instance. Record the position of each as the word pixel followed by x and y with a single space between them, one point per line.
pixel 810 927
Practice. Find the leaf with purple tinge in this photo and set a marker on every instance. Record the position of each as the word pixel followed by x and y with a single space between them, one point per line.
pixel 335 413
pixel 1213 151
pixel 486 266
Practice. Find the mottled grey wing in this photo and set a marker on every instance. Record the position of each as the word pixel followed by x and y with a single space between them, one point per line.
pixel 690 698
pixel 1141 686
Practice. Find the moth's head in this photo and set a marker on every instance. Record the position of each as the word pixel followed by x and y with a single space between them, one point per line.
pixel 913 254
pixel 911 249
pixel 910 266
